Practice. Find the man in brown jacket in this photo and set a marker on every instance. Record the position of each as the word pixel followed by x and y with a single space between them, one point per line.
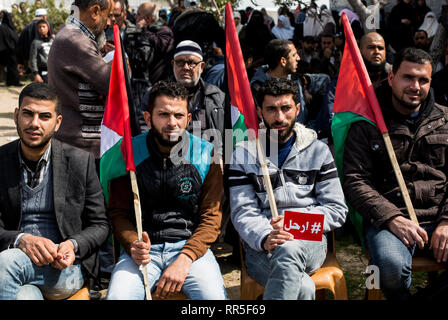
pixel 80 76
pixel 180 203
pixel 419 132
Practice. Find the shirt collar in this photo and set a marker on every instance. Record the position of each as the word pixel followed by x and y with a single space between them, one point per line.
pixel 72 20
pixel 43 161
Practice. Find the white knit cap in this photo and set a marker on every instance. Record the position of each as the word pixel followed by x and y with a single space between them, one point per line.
pixel 40 12
pixel 188 47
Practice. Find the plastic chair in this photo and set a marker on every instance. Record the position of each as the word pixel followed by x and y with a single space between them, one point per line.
pixel 419 264
pixel 329 277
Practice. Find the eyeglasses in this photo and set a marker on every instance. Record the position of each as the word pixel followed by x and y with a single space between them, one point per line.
pixel 190 63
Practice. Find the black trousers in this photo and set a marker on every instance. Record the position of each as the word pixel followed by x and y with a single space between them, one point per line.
pixel 9 60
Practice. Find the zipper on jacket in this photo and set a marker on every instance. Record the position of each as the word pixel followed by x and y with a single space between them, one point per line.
pixel 164 178
pixel 282 178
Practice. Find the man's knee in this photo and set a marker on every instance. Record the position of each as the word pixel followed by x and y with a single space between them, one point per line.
pixel 29 292
pixel 291 251
pixel 12 258
pixel 307 288
pixel 394 271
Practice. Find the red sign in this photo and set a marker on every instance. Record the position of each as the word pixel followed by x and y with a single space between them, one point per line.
pixel 304 226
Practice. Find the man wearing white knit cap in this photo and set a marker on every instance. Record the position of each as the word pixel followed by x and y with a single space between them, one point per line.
pixel 206 101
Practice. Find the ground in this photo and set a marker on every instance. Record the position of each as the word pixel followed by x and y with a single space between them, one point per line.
pixel 350 255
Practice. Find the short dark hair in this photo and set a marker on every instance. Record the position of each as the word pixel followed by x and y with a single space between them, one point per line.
pixel 42 21
pixel 275 50
pixel 411 55
pixel 167 88
pixel 278 87
pixel 85 4
pixel 327 35
pixel 421 30
pixel 40 91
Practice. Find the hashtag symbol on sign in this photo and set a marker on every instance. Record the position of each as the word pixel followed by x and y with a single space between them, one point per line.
pixel 315 227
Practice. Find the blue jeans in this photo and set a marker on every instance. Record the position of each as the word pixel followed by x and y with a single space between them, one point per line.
pixel 394 260
pixel 203 282
pixel 285 272
pixel 21 279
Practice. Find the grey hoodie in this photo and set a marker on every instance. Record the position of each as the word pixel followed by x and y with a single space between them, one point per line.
pixel 306 182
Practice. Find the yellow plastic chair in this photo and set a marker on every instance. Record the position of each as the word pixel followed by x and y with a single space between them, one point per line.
pixel 329 277
pixel 82 294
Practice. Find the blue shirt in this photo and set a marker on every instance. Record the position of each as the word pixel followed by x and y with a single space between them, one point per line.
pixel 284 148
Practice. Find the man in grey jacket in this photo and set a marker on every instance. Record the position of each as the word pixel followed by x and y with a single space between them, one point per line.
pixel 304 179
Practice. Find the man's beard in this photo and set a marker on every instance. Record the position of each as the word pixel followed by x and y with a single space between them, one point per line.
pixel 161 140
pixel 187 83
pixel 101 39
pixel 43 143
pixel 408 105
pixel 374 67
pixel 280 137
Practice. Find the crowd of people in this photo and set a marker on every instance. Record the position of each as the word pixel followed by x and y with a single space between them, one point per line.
pixel 55 220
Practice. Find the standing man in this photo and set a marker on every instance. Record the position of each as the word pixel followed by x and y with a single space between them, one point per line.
pixel 80 76
pixel 180 203
pixel 417 127
pixel 304 179
pixel 118 16
pixel 282 60
pixel 150 48
pixel 52 215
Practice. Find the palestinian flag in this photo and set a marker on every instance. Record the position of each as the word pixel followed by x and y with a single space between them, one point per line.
pixel 117 157
pixel 355 100
pixel 243 112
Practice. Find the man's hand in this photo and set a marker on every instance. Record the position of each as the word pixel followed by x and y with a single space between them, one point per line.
pixel 66 255
pixel 277 236
pixel 328 52
pixel 406 21
pixel 40 250
pixel 439 242
pixel 140 250
pixel 174 276
pixel 108 47
pixel 408 232
pixel 38 78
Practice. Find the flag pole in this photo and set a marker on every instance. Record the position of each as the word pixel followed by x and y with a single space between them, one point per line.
pixel 400 179
pixel 267 179
pixel 233 38
pixel 138 220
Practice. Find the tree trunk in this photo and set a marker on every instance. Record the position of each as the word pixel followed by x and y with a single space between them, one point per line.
pixel 370 18
pixel 436 49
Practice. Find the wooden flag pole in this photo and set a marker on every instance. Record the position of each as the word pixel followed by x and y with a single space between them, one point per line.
pixel 267 179
pixel 400 179
pixel 138 220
